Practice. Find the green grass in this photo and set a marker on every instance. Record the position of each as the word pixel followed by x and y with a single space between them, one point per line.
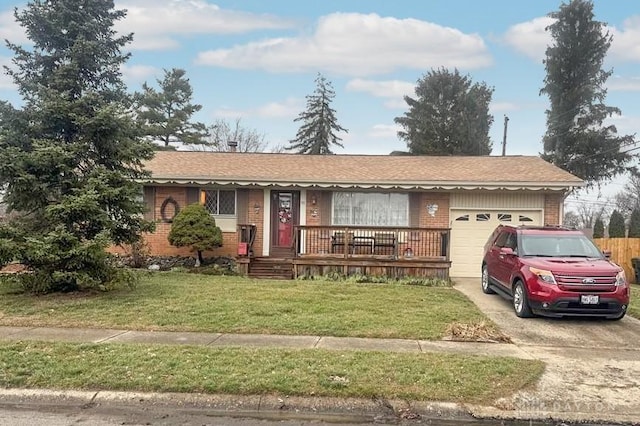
pixel 634 304
pixel 192 302
pixel 435 377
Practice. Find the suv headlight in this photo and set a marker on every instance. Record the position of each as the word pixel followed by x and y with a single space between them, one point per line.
pixel 544 276
pixel 621 279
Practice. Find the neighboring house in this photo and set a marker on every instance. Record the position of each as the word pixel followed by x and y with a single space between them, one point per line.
pixel 400 215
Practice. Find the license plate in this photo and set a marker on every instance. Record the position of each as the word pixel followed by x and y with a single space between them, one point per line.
pixel 589 299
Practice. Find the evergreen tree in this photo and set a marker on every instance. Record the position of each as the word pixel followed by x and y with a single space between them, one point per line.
pixel 598 228
pixel 616 225
pixel 165 115
pixel 576 138
pixel 319 123
pixel 634 223
pixel 449 116
pixel 193 226
pixel 69 157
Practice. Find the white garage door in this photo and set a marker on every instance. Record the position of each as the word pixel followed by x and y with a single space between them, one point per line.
pixel 470 230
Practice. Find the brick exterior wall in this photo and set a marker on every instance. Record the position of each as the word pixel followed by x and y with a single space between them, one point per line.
pixel 441 217
pixel 157 241
pixel 552 208
pixel 314 212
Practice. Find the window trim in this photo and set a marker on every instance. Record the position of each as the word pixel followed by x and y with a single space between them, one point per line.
pixel 203 198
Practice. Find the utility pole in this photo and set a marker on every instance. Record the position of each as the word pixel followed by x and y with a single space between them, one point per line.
pixel 504 137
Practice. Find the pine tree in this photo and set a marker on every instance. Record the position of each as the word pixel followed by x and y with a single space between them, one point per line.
pixel 165 114
pixel 449 116
pixel 69 157
pixel 616 225
pixel 320 125
pixel 598 228
pixel 634 224
pixel 577 139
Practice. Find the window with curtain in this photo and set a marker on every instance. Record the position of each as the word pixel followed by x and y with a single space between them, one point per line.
pixel 370 209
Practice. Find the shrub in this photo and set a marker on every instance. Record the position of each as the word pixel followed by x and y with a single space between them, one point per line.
pixel 195 227
pixel 598 228
pixel 616 225
pixel 634 223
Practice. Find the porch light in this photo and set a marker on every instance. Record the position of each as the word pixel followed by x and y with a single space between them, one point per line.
pixel 256 208
pixel 314 200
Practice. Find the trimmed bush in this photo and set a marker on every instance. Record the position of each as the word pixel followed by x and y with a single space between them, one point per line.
pixel 616 225
pixel 634 224
pixel 195 227
pixel 598 228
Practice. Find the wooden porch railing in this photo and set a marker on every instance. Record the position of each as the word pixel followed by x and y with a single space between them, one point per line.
pixel 377 242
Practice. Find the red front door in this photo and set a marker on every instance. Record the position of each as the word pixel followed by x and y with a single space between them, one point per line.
pixel 284 215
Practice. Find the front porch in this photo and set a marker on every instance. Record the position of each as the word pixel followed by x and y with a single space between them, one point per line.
pixel 349 250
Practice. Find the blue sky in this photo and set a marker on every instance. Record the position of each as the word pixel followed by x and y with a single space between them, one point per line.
pixel 257 60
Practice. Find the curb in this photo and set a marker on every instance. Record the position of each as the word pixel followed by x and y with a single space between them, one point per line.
pixel 255 406
pixel 283 407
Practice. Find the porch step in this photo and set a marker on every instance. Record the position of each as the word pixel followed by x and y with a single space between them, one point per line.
pixel 269 268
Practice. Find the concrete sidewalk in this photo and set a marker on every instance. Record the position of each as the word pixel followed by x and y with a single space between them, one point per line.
pixel 524 408
pixel 95 335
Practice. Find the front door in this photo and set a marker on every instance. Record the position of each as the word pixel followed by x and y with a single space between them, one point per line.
pixel 284 216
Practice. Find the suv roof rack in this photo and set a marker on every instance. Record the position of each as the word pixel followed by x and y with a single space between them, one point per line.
pixel 548 227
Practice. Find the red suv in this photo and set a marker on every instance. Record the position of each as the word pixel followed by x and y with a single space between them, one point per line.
pixel 553 271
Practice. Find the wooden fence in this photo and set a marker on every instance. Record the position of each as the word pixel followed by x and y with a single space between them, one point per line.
pixel 622 251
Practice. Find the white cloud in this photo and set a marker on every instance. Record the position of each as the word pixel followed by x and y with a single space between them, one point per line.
pixel 393 90
pixel 156 24
pixel 384 131
pixel 627 84
pixel 382 89
pixel 358 44
pixel 530 38
pixel 625 124
pixel 138 73
pixel 504 106
pixel 625 46
pixel 6 82
pixel 10 29
pixel 289 108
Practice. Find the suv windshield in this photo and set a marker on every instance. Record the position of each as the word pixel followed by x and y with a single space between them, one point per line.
pixel 549 245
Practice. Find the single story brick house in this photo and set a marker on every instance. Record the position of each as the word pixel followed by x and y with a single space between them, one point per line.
pixel 401 215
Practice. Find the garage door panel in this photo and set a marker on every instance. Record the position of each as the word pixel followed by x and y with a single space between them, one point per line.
pixel 470 230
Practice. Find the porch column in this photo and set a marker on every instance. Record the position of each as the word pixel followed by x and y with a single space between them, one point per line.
pixel 266 222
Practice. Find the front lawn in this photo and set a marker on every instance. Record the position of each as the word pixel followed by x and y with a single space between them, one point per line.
pixel 192 302
pixel 311 372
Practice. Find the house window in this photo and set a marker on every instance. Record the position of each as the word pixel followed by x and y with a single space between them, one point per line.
pixel 483 217
pixel 525 219
pixel 463 218
pixel 219 201
pixel 370 209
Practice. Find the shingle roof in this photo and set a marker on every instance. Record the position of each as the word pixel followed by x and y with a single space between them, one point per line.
pixel 358 170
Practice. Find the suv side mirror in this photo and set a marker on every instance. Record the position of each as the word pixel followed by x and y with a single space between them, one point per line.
pixel 507 251
pixel 607 253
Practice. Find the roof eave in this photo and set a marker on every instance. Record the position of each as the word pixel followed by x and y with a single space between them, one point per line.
pixel 430 185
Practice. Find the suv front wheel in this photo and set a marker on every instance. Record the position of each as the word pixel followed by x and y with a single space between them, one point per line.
pixel 521 301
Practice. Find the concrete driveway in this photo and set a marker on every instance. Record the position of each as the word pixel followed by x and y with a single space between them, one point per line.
pixel 593 366
pixel 577 333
